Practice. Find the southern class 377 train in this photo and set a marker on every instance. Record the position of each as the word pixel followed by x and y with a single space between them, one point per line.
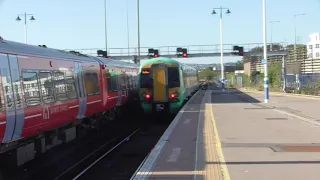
pixel 165 84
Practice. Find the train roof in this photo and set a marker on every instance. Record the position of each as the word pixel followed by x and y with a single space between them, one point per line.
pixel 112 62
pixel 160 59
pixel 15 47
pixel 166 60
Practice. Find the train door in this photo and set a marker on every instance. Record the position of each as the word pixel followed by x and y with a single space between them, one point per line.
pixel 81 89
pixel 120 88
pixel 160 82
pixel 12 97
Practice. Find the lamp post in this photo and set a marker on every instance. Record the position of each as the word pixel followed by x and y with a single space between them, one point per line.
pixel 271 33
pixel 138 17
pixel 25 24
pixel 105 25
pixel 295 35
pixel 128 34
pixel 221 43
pixel 266 79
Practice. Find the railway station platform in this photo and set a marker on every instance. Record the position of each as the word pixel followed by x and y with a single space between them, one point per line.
pixel 234 135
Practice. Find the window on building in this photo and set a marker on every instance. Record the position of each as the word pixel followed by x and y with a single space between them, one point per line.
pixel 310 46
pixel 317 45
pixel 31 88
pixel 47 89
pixel 317 55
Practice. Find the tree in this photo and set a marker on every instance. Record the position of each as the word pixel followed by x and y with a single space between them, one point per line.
pixel 239 65
pixel 274 73
pixel 208 74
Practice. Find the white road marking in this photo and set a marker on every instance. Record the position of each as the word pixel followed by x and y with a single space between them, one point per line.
pixel 187 121
pixel 174 156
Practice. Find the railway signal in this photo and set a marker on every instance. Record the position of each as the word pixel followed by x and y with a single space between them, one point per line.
pixel 239 49
pixel 135 59
pixel 156 53
pixel 102 53
pixel 153 53
pixel 182 52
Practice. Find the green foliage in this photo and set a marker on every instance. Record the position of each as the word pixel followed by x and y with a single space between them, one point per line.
pixel 239 65
pixel 274 74
pixel 208 74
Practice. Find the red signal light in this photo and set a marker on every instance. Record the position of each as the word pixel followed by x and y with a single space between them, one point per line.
pixel 156 55
pixel 184 55
pixel 148 96
pixel 172 96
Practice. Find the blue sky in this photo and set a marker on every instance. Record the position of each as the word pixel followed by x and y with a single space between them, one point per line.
pixel 77 24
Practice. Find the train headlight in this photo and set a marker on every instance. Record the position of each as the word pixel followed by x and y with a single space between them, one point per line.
pixel 174 95
pixel 145 95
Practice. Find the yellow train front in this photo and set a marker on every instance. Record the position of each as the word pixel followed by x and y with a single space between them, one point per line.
pixel 165 84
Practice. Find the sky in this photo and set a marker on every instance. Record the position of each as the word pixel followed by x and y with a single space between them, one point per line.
pixel 79 24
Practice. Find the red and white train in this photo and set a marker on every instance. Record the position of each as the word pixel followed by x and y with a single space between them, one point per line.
pixel 45 91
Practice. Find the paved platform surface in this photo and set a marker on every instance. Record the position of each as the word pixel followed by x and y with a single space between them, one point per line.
pixel 233 136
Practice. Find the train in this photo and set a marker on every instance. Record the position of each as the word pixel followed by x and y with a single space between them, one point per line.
pixel 45 92
pixel 165 84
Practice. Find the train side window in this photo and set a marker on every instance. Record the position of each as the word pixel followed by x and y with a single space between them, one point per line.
pixel 173 77
pixel 123 82
pixel 60 86
pixel 71 85
pixel 92 84
pixel 47 89
pixel 115 82
pixel 130 82
pixel 109 82
pixel 31 88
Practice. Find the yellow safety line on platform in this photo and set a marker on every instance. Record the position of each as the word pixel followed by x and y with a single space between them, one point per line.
pixel 224 168
pixel 283 94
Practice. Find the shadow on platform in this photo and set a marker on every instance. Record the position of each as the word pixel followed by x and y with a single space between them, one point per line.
pixel 231 96
pixel 265 162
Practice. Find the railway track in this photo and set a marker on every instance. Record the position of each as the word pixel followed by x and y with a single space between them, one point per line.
pixel 123 162
pixel 116 151
pixel 68 173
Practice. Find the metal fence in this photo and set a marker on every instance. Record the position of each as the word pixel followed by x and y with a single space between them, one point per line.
pixel 301 83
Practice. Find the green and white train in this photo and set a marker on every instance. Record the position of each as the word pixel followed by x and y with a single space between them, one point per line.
pixel 165 84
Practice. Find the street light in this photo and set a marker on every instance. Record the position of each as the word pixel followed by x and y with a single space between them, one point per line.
pixel 271 33
pixel 138 17
pixel 128 34
pixel 221 43
pixel 266 79
pixel 295 34
pixel 25 24
pixel 105 25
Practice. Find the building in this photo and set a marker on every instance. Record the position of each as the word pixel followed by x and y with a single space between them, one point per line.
pixel 312 63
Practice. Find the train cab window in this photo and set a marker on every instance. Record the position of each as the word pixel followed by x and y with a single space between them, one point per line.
pixel 173 77
pixel 146 79
pixel 71 85
pixel 60 86
pixel 31 88
pixel 92 84
pixel 47 89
